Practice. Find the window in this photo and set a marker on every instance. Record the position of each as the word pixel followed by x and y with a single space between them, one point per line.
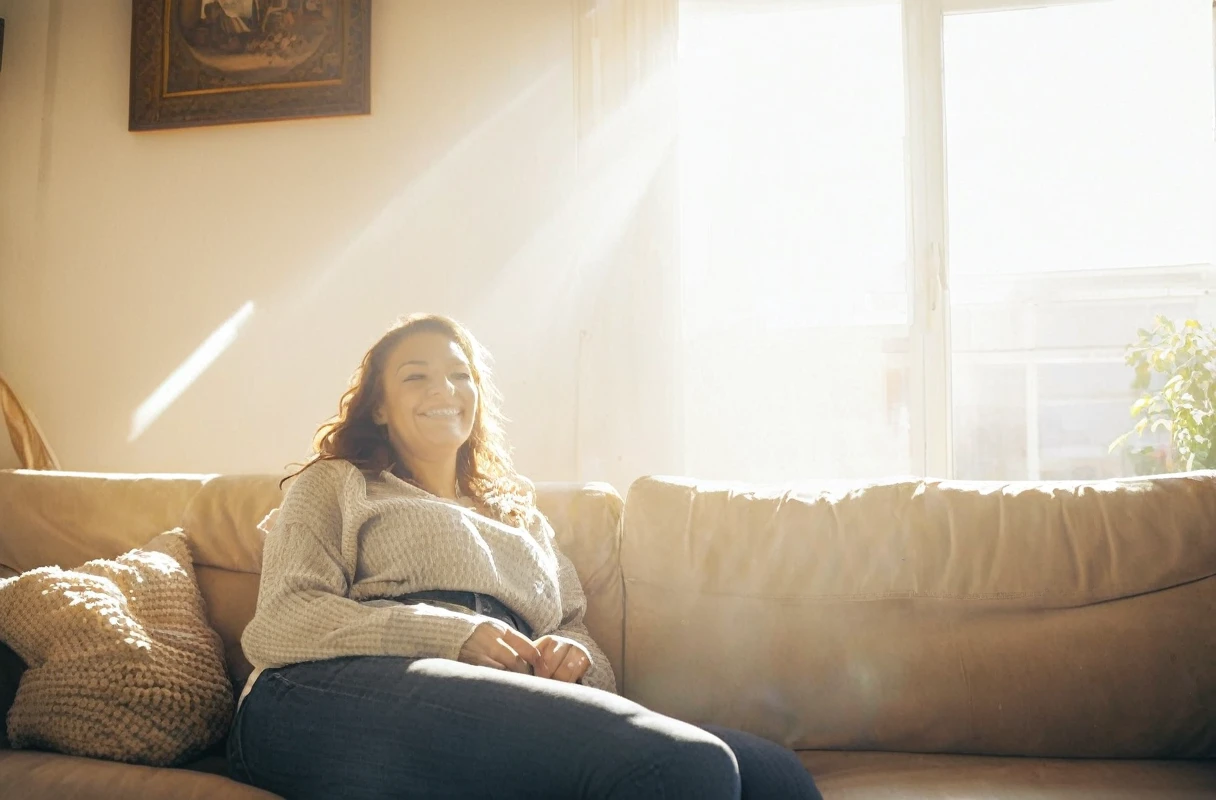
pixel 826 146
pixel 793 243
pixel 1080 161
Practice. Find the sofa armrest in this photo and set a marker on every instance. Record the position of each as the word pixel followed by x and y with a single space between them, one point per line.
pixel 11 669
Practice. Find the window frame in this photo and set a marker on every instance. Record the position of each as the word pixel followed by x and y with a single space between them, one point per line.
pixel 930 355
pixel 931 347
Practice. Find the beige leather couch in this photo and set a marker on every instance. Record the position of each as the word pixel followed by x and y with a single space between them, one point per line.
pixel 909 639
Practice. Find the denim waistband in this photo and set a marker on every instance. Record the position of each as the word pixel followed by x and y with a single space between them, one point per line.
pixel 478 603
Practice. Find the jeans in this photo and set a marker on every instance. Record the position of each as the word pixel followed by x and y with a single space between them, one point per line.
pixel 386 727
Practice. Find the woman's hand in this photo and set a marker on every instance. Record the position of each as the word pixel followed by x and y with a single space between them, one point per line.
pixel 562 659
pixel 497 645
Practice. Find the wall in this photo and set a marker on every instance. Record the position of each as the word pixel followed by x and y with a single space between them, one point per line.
pixel 465 192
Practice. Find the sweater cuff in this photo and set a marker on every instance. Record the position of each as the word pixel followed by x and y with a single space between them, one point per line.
pixel 435 633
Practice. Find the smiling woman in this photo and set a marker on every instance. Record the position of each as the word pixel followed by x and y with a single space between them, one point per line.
pixel 428 407
pixel 419 632
pixel 425 363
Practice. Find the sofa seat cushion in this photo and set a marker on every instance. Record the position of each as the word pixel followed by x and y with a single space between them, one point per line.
pixel 34 775
pixel 903 776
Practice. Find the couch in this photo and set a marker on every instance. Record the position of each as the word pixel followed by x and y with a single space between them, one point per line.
pixel 908 638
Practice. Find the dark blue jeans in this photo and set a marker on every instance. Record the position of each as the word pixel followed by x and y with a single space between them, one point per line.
pixel 383 727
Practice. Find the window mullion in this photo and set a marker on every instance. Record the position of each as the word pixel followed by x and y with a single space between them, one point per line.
pixel 923 23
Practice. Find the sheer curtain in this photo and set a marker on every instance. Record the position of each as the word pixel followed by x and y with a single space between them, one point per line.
pixel 749 311
pixel 630 385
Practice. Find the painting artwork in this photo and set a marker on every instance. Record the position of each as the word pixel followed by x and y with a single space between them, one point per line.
pixel 210 62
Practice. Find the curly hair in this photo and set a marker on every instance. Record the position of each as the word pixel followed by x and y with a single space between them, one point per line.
pixel 484 472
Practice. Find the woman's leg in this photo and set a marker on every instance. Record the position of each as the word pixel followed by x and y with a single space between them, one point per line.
pixel 374 727
pixel 766 768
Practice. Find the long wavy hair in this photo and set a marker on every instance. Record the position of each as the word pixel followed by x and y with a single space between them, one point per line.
pixel 484 472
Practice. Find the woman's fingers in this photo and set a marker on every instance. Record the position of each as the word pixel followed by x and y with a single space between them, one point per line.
pixel 504 654
pixel 573 666
pixel 500 644
pixel 554 655
pixel 485 661
pixel 523 647
pixel 486 647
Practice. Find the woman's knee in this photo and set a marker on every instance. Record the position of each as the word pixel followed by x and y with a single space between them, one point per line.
pixel 705 762
pixel 672 759
pixel 767 769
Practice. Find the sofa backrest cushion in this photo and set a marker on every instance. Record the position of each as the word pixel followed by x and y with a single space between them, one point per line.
pixel 587 519
pixel 67 518
pixel 1064 619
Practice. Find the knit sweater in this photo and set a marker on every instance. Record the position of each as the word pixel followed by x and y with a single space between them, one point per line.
pixel 345 541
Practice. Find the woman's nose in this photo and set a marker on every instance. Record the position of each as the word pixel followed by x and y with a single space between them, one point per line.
pixel 444 386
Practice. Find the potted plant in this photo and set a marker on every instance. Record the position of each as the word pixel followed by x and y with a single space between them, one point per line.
pixel 1185 354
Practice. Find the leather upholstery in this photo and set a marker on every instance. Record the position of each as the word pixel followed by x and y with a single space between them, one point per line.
pixel 1069 620
pixel 910 776
pixel 68 518
pixel 917 616
pixel 33 775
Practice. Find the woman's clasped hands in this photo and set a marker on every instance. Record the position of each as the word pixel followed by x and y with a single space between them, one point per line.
pixel 497 645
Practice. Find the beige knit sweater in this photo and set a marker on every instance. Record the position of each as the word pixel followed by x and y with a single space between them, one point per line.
pixel 344 541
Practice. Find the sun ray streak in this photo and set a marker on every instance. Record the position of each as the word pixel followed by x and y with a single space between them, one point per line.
pixel 188 372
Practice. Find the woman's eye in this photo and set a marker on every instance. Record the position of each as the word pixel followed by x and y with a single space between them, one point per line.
pixel 464 376
pixel 414 377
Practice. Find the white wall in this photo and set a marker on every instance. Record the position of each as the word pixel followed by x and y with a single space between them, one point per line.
pixel 120 253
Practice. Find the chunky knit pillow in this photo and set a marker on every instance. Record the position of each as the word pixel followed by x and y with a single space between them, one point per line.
pixel 121 662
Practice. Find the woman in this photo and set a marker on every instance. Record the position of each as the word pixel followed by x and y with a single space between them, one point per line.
pixel 419 634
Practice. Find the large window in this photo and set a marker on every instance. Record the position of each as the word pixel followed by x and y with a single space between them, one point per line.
pixel 1080 161
pixel 834 329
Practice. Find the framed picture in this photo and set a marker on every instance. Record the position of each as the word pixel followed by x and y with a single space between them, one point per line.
pixel 211 62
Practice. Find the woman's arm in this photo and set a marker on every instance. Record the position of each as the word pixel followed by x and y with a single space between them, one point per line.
pixel 303 612
pixel 574 606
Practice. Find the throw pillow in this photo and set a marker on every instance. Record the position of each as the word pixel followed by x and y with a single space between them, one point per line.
pixel 121 661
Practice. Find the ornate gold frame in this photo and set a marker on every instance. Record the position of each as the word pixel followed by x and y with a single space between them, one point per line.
pixel 154 106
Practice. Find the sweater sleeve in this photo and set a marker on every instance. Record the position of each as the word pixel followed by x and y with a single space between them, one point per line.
pixel 303 611
pixel 574 606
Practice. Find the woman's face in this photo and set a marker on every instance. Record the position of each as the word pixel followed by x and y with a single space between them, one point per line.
pixel 429 398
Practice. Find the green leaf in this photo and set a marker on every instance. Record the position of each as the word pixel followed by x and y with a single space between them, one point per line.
pixel 1184 352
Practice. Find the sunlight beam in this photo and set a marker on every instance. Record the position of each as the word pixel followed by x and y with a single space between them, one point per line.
pixel 399 210
pixel 621 160
pixel 188 372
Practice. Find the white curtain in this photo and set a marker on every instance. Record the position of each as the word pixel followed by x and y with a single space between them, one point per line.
pixel 629 388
